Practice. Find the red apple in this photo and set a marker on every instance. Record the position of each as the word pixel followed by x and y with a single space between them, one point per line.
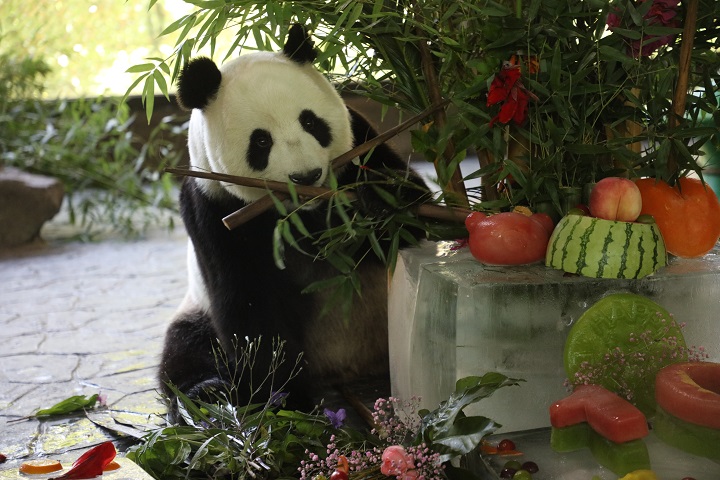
pixel 508 238
pixel 616 198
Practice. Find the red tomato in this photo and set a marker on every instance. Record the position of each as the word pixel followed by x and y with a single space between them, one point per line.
pixel 507 238
pixel 608 414
pixel 691 392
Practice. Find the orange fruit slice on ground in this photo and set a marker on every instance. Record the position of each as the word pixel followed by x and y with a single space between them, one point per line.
pixel 39 466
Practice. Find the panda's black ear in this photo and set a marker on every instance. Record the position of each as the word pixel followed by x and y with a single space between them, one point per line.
pixel 198 83
pixel 298 46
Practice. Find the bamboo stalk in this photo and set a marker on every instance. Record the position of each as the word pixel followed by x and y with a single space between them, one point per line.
pixel 249 212
pixel 455 188
pixel 680 97
pixel 438 212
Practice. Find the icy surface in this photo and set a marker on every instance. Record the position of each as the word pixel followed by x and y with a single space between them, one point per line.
pixel 451 317
pixel 667 462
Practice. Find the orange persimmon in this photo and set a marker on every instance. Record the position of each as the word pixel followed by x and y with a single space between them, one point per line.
pixel 688 214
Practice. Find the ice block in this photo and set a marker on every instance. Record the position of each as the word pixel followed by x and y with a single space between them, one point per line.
pixel 450 317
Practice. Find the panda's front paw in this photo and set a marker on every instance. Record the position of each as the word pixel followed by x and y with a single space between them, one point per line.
pixel 374 202
pixel 211 390
pixel 380 201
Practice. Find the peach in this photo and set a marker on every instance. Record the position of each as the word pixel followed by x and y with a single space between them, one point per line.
pixel 616 198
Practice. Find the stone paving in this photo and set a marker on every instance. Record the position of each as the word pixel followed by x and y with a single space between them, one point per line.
pixel 83 318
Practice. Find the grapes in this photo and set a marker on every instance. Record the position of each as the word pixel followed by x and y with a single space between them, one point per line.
pixel 339 475
pixel 506 445
pixel 522 475
pixel 507 472
pixel 531 467
pixel 514 464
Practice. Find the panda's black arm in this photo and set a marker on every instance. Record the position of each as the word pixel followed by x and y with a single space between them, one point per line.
pixel 237 267
pixel 382 159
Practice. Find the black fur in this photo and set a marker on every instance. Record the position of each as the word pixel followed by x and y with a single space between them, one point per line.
pixel 298 46
pixel 259 147
pixel 316 126
pixel 198 83
pixel 251 297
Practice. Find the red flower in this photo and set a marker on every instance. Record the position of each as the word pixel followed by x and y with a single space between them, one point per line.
pixel 661 13
pixel 91 463
pixel 507 87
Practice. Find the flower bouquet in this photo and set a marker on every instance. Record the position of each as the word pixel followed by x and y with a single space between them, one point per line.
pixel 265 441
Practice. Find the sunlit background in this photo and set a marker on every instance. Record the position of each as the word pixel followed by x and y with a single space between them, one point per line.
pixel 88 45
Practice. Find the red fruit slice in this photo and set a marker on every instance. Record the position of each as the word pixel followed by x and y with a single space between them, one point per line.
pixel 691 392
pixel 608 414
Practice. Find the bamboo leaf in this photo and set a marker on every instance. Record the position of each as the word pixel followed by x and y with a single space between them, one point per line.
pixel 69 405
pixel 143 67
pixel 148 96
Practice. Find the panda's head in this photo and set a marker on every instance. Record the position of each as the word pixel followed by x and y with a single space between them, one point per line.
pixel 264 115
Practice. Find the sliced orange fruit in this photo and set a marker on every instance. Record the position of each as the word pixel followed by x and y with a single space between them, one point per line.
pixel 111 466
pixel 41 465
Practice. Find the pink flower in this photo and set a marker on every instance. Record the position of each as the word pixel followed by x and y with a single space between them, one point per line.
pixel 397 462
pixel 409 475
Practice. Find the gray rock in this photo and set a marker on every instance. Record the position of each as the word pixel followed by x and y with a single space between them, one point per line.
pixel 27 201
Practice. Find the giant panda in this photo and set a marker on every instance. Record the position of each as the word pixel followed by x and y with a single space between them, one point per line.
pixel 270 115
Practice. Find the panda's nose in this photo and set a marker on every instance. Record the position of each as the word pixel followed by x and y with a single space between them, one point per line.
pixel 306 178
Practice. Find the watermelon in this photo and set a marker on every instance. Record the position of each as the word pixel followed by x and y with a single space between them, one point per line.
pixel 608 414
pixel 598 248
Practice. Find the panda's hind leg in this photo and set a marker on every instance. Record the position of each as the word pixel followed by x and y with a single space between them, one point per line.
pixel 189 360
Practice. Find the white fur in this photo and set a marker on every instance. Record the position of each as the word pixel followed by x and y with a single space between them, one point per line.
pixel 269 91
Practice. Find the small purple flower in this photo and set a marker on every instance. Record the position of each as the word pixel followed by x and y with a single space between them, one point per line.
pixel 277 399
pixel 337 419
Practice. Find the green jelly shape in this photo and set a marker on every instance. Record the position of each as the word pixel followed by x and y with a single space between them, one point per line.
pixel 620 458
pixel 606 328
pixel 571 438
pixel 689 437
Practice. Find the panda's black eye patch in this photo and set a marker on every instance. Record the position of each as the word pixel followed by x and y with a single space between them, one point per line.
pixel 258 152
pixel 316 126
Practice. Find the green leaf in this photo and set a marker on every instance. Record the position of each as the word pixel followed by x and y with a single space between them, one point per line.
pixel 465 434
pixel 507 38
pixel 69 405
pixel 298 223
pixel 440 425
pixel 162 83
pixel 148 96
pixel 143 67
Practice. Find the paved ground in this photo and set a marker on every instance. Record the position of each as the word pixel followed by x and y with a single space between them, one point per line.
pixel 83 318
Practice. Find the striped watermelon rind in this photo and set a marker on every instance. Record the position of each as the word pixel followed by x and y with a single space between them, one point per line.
pixel 599 248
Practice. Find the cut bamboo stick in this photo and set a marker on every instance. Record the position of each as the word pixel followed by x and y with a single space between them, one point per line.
pixel 241 216
pixel 428 210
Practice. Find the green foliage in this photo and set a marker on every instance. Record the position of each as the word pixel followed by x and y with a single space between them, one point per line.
pixel 86 42
pixel 590 89
pixel 263 440
pixel 69 405
pixel 452 432
pixel 108 173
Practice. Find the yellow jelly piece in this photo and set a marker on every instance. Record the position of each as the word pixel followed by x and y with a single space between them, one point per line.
pixel 640 475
